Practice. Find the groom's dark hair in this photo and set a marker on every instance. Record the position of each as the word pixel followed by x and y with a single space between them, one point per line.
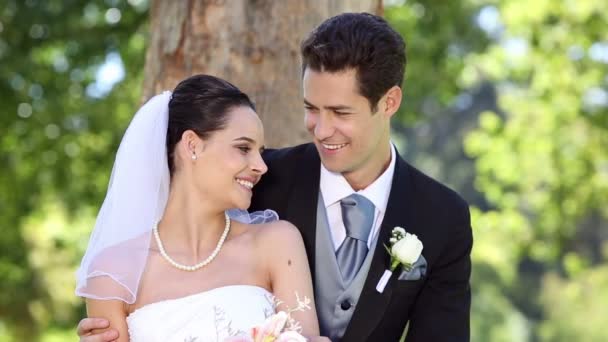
pixel 360 41
pixel 201 103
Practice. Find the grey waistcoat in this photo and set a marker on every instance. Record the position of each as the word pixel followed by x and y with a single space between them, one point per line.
pixel 331 295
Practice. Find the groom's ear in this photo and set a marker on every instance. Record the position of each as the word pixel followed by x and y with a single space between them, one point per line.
pixel 391 101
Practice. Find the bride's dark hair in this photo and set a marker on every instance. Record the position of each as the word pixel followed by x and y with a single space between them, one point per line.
pixel 201 103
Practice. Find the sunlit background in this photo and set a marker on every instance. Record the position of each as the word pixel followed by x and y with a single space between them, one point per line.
pixel 506 101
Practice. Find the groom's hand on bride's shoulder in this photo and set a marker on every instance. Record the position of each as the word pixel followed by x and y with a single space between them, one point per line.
pixel 87 325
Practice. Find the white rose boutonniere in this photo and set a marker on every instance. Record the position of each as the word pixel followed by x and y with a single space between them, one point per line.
pixel 405 249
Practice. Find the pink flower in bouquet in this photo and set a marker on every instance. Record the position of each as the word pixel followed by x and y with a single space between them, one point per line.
pixel 271 328
pixel 239 339
pixel 280 327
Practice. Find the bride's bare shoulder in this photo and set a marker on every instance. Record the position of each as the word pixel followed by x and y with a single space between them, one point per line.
pixel 277 232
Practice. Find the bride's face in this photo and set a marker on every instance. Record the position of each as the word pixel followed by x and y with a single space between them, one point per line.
pixel 229 162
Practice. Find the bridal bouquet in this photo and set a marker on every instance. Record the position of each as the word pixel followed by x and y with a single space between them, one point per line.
pixel 280 327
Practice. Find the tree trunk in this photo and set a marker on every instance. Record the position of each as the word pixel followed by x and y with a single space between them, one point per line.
pixel 254 44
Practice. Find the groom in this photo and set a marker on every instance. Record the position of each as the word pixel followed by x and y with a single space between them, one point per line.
pixel 353 66
pixel 348 189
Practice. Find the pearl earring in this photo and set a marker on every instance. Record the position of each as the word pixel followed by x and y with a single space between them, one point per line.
pixel 193 156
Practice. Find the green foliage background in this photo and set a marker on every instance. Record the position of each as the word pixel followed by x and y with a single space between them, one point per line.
pixel 506 101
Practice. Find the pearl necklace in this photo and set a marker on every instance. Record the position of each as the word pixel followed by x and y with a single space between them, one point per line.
pixel 200 264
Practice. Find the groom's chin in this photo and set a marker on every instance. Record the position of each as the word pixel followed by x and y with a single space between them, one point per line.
pixel 332 164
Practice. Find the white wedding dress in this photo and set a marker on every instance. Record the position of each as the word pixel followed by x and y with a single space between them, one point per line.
pixel 209 316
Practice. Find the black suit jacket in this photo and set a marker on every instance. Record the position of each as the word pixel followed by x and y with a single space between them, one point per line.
pixel 436 306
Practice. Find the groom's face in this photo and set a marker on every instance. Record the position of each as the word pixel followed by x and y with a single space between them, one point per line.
pixel 350 138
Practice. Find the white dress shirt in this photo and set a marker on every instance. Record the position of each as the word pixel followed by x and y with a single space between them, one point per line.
pixel 334 188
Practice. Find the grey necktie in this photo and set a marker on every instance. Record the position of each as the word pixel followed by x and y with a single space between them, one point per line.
pixel 358 216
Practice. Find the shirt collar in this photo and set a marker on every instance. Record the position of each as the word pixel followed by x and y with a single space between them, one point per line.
pixel 334 186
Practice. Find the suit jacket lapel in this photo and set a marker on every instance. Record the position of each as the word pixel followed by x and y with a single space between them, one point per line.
pixel 302 200
pixel 371 306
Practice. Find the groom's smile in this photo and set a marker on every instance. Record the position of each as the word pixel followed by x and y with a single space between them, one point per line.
pixel 330 152
pixel 333 147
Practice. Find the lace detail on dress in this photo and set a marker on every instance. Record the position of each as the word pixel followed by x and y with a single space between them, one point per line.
pixel 210 316
pixel 223 325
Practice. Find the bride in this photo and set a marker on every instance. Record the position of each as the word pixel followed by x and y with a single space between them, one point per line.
pixel 166 262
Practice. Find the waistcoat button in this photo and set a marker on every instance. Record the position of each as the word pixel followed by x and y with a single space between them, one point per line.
pixel 345 305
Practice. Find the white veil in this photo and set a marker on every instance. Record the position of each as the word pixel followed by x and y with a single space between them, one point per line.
pixel 136 198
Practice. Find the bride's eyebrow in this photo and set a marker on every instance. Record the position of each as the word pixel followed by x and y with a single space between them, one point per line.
pixel 247 139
